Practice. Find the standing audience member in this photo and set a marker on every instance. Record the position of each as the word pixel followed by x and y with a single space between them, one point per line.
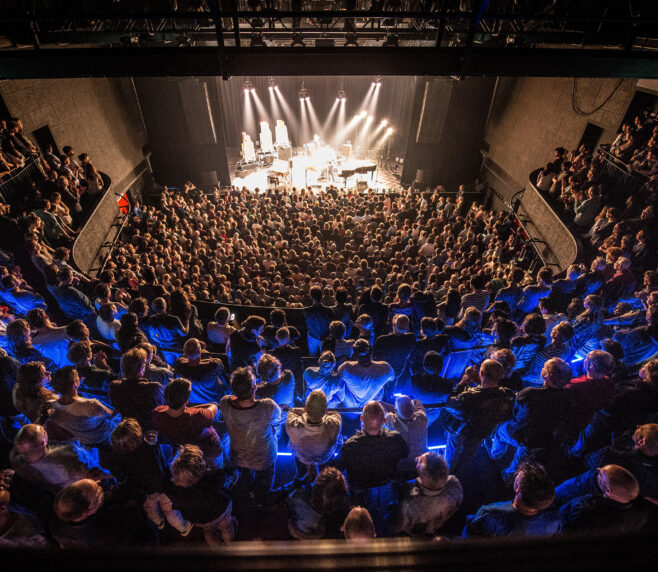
pixel 253 426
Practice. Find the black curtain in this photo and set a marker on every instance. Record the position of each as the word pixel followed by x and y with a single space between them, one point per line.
pixel 394 104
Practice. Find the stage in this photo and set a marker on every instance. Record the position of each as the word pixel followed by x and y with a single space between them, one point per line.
pixel 310 171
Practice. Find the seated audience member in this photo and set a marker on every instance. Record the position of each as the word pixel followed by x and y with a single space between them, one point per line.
pixel 503 331
pixel 477 298
pixel 74 304
pixel 602 500
pixel 200 496
pixel 529 514
pixel 106 321
pixel 511 379
pixel 529 302
pixel 586 326
pixel 245 349
pixel 129 333
pixel 638 454
pixel 530 342
pixel 218 333
pixel 19 339
pixel 20 299
pixel 134 395
pixel 364 379
pixel 159 372
pixel 85 420
pixel 359 527
pixel 31 395
pixel 325 378
pixel 473 413
pixel 277 321
pixel 622 284
pixel 8 374
pixel 77 331
pixel 538 411
pixel 559 347
pixel 51 467
pixel 364 328
pixel 372 306
pixel 318 317
pixel 430 340
pixel 319 510
pixel 289 355
pixel 369 459
pixel 95 378
pixel 466 333
pixel 253 427
pixel 313 433
pixel 592 390
pixel 430 386
pixel 180 424
pixel 87 518
pixel 641 343
pixel 19 529
pixel 273 383
pixel 624 412
pixel 427 502
pixel 562 291
pixel 395 348
pixel 166 330
pixel 512 293
pixel 343 311
pixel 49 340
pixel 205 374
pixel 336 343
pixel 409 419
pixel 142 474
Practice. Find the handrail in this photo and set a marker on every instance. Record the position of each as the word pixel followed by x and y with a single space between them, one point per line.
pixel 566 225
pixel 22 177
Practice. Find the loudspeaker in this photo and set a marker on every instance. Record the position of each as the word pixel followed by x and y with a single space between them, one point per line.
pixel 347 150
pixel 362 186
pixel 284 153
pixel 436 101
pixel 198 114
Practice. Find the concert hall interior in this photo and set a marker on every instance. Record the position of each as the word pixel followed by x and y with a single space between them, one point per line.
pixel 328 284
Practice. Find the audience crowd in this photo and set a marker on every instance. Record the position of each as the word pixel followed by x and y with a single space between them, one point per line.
pixel 420 320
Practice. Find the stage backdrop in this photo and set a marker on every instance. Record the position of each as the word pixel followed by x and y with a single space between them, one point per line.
pixel 394 103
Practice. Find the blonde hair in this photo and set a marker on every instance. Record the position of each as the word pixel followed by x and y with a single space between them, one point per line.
pixel 189 464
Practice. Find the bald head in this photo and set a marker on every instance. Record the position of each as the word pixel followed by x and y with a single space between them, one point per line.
pixel 491 372
pixel 373 417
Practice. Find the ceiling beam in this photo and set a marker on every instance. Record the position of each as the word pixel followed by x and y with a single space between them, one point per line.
pixel 204 61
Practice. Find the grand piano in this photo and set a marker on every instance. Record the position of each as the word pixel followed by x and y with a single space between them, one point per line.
pixel 356 167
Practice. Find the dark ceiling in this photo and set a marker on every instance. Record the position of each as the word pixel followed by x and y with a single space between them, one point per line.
pixel 82 38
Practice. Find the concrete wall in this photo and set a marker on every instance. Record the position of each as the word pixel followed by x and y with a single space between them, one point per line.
pixel 531 116
pixel 96 116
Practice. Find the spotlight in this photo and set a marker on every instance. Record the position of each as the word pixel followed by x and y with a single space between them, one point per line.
pixel 253 90
pixel 362 114
pixel 342 96
pixel 297 40
pixel 350 40
pixel 389 131
pixel 384 122
pixel 271 83
pixel 303 93
pixel 391 41
pixel 257 40
pixel 378 80
pixel 248 86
